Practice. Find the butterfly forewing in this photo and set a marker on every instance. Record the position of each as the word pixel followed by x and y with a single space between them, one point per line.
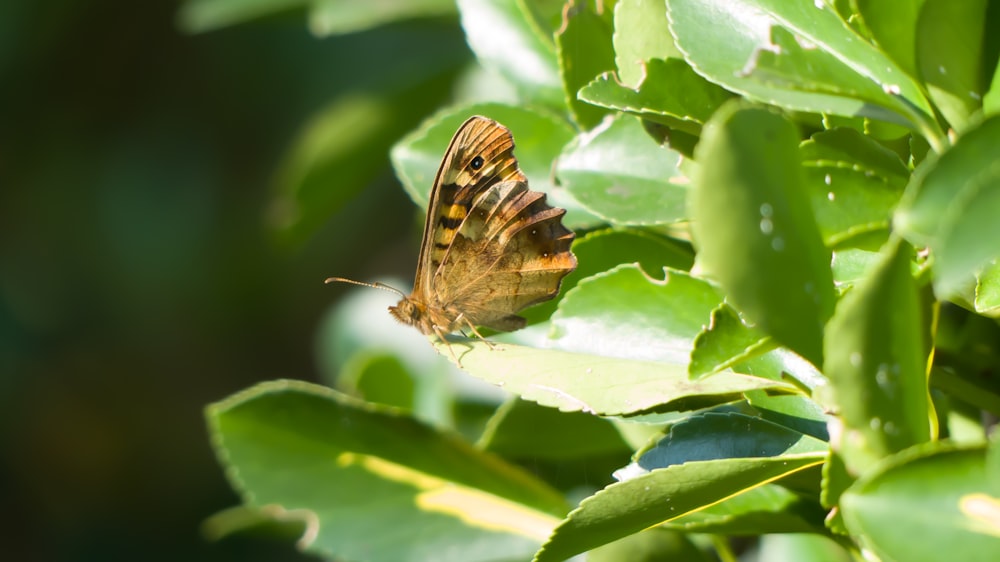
pixel 480 154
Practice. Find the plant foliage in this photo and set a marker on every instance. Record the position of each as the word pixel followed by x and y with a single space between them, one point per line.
pixel 783 321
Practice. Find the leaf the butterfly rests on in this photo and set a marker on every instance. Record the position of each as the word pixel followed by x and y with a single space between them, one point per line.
pixel 491 246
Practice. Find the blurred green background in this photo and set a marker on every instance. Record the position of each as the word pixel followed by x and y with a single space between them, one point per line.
pixel 151 257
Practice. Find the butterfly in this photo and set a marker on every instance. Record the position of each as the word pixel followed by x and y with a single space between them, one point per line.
pixel 491 246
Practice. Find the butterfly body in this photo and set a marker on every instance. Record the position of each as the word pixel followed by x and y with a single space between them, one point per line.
pixel 491 246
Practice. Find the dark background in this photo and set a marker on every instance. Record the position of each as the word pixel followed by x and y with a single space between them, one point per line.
pixel 139 277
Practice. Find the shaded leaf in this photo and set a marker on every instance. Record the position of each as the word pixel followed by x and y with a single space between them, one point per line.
pixel 949 43
pixel 755 230
pixel 583 45
pixel 875 361
pixel 951 205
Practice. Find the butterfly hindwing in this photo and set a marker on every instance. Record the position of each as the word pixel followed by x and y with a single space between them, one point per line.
pixel 511 252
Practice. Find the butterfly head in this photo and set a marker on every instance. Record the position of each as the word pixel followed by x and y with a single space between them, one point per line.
pixel 411 313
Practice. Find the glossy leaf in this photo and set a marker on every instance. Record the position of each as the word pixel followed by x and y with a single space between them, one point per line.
pixel 628 507
pixel 505 38
pixel 601 250
pixel 624 313
pixel 715 436
pixel 641 33
pixel 351 470
pixel 622 175
pixel 669 92
pixel 580 382
pixel 822 66
pixel 769 508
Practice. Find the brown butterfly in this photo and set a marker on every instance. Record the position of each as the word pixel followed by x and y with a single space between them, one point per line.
pixel 491 246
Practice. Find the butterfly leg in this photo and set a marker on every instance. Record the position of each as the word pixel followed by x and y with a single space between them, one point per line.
pixel 472 327
pixel 442 336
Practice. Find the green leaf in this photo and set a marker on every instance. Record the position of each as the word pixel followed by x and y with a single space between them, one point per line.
pixel 670 92
pixel 770 508
pixel 539 138
pixel 199 16
pixel 987 300
pixel 801 67
pixel 323 171
pixel 823 66
pixel 949 43
pixel 725 342
pixel 331 160
pixel 578 382
pixel 505 38
pixel 794 411
pixel 849 203
pixel 755 230
pixel 715 436
pixel 851 264
pixel 601 250
pixel 372 484
pixel 583 45
pixel 642 32
pixel 620 174
pixel 991 100
pixel 661 495
pixel 844 147
pixel 604 249
pixel 951 205
pixel 729 344
pixel 380 378
pixel 802 547
pixel 624 313
pixel 651 545
pixel 939 499
pixel 875 361
pixel 264 522
pixel 893 24
pixel 526 430
pixel 329 17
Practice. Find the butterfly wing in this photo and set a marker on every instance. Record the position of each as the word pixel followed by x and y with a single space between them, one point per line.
pixel 510 252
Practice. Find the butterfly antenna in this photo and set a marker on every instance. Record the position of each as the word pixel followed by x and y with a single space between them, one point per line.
pixel 375 285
